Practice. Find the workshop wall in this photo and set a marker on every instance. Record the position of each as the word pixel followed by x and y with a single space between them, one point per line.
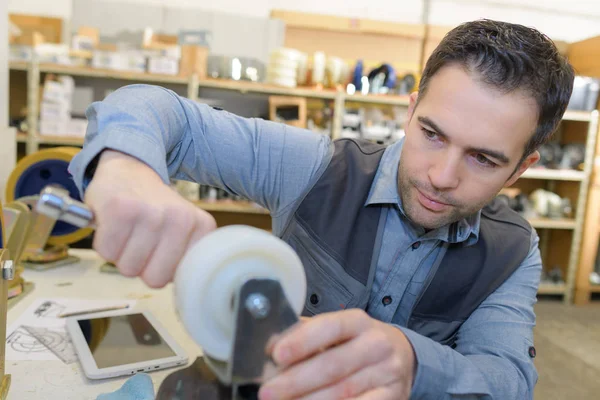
pixel 550 16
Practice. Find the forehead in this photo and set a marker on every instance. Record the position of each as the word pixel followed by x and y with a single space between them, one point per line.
pixel 474 114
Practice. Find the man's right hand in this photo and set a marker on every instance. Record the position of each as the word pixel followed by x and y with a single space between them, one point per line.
pixel 143 226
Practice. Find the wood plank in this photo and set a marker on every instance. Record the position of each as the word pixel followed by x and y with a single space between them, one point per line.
pixel 112 74
pixel 404 54
pixel 572 115
pixel 264 88
pixel 50 27
pixel 379 99
pixel 585 56
pixel 594 288
pixel 548 223
pixel 553 174
pixel 550 288
pixel 591 235
pixel 374 42
pixel 354 25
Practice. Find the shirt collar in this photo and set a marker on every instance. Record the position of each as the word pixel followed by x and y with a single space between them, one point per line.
pixel 384 190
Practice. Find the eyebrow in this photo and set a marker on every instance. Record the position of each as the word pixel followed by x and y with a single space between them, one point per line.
pixel 498 155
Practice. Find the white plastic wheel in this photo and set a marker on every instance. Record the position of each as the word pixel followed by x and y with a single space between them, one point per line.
pixel 213 270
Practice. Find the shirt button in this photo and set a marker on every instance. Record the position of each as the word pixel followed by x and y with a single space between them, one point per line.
pixel 416 245
pixel 314 299
pixel 387 300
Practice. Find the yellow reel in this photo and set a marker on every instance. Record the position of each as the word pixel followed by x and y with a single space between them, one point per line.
pixel 42 168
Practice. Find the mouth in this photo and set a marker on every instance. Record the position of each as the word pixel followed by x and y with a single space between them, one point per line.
pixel 431 203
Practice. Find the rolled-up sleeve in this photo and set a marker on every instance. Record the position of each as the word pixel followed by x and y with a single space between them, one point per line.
pixel 269 163
pixel 492 358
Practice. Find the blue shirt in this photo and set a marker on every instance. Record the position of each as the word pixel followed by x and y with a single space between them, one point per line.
pixel 275 165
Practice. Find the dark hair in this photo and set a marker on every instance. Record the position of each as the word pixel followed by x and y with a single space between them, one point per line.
pixel 510 57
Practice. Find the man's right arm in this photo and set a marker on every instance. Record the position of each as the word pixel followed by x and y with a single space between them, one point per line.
pixel 267 162
pixel 140 136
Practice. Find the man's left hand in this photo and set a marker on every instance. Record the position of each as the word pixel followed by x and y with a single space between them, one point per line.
pixel 341 355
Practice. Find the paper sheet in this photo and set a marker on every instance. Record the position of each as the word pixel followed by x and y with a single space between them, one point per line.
pixel 39 334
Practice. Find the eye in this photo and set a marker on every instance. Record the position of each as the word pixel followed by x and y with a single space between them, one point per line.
pixel 431 135
pixel 483 160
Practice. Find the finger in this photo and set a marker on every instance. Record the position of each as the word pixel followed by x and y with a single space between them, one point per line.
pixel 205 223
pixel 368 383
pixel 382 393
pixel 331 366
pixel 170 249
pixel 276 337
pixel 114 223
pixel 139 247
pixel 319 332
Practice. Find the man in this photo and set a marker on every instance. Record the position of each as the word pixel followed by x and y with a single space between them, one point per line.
pixel 420 284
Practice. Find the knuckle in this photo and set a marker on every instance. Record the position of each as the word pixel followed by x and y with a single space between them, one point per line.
pixel 152 217
pixel 396 366
pixel 179 217
pixel 347 389
pixel 121 207
pixel 206 222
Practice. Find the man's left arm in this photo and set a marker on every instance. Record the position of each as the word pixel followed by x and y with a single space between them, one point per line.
pixel 493 357
pixel 347 354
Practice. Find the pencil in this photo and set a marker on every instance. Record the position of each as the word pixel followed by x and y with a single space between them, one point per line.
pixel 94 310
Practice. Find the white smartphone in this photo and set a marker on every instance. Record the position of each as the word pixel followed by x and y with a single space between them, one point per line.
pixel 124 342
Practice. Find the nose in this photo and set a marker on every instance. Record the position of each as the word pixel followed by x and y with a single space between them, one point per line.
pixel 444 171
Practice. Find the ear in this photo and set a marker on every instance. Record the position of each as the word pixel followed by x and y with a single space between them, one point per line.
pixel 526 163
pixel 412 104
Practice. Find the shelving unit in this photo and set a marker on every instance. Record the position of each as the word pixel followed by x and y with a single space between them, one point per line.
pixel 340 100
pixel 576 225
pixel 34 71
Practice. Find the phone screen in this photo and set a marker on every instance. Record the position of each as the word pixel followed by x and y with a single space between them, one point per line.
pixel 123 339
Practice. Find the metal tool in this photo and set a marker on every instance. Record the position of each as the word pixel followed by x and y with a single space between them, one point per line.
pixel 234 289
pixel 54 202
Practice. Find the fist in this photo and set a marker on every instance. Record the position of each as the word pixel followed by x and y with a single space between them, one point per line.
pixel 144 227
pixel 341 355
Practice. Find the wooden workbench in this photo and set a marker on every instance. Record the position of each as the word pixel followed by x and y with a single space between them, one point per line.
pixel 39 380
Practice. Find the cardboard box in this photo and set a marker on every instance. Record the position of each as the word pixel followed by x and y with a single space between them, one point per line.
pixel 91 33
pixel 156 41
pixel 76 127
pixel 193 61
pixel 53 128
pixel 52 111
pixel 163 65
pixel 32 39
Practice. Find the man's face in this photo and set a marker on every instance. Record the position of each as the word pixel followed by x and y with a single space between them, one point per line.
pixel 463 143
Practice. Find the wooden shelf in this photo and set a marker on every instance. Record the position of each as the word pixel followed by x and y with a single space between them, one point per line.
pixel 553 174
pixel 584 116
pixel 595 288
pixel 551 288
pixel 264 88
pixel 102 73
pixel 379 99
pixel 58 140
pixel 231 206
pixel 548 223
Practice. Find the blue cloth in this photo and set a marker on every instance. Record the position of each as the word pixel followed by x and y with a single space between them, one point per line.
pixel 138 387
pixel 275 165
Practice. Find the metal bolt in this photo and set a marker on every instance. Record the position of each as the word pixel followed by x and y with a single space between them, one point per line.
pixel 258 305
pixel 8 270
